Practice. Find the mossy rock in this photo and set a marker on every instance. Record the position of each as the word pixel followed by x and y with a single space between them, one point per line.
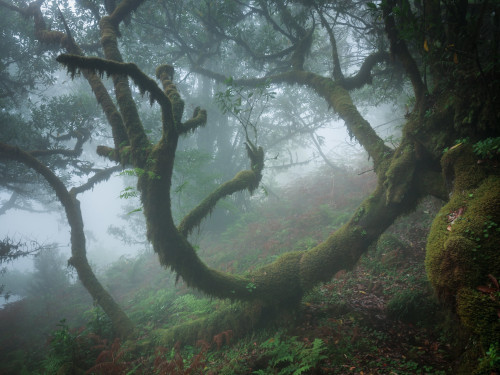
pixel 462 247
pixel 479 312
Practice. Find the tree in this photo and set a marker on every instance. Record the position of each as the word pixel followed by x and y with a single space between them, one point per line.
pixel 447 50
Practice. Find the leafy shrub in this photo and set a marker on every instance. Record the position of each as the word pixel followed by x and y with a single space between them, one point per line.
pixel 490 363
pixel 488 148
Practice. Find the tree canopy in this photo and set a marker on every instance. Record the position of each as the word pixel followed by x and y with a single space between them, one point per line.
pixel 257 57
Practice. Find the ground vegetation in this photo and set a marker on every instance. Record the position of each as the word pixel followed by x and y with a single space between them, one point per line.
pixel 443 55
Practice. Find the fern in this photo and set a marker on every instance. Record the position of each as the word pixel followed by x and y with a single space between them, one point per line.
pixel 291 357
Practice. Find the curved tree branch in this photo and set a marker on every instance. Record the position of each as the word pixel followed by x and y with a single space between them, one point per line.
pixel 364 76
pixel 98 66
pixel 99 176
pixel 248 179
pixel 335 95
pixel 78 259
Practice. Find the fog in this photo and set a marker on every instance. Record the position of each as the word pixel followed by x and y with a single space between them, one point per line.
pixel 242 122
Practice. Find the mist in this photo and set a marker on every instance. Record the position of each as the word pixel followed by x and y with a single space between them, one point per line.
pixel 249 187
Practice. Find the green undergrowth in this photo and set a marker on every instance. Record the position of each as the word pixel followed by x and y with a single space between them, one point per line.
pixel 379 318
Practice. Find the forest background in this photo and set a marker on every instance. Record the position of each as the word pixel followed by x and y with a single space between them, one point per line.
pixel 251 83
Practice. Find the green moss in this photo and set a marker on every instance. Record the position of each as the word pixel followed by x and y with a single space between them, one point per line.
pixel 460 168
pixel 280 278
pixel 400 173
pixel 478 311
pixel 462 248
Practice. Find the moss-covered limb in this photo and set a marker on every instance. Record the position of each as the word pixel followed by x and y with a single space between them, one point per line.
pixel 199 119
pixel 243 180
pixel 335 95
pixel 108 152
pixel 172 118
pixel 462 247
pixel 124 10
pixel 285 280
pixel 133 126
pixel 99 176
pixel 165 73
pixel 121 322
pixel 364 76
pixel 100 66
pixel 400 50
pixel 248 179
pixel 340 100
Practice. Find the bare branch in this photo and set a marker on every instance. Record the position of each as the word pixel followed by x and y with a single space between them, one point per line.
pixel 78 246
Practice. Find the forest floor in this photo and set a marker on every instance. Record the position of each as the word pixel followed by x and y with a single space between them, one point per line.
pixel 379 318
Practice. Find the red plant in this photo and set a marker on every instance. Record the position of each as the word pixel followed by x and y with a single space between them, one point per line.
pixel 111 360
pixel 223 337
pixel 176 366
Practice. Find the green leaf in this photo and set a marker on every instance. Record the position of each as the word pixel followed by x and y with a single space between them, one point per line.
pixel 136 210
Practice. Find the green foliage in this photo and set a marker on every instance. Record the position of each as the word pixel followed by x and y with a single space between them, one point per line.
pixel 290 356
pixel 69 351
pixel 490 363
pixel 488 148
pixel 129 192
pixel 98 323
pixel 247 106
pixel 138 172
